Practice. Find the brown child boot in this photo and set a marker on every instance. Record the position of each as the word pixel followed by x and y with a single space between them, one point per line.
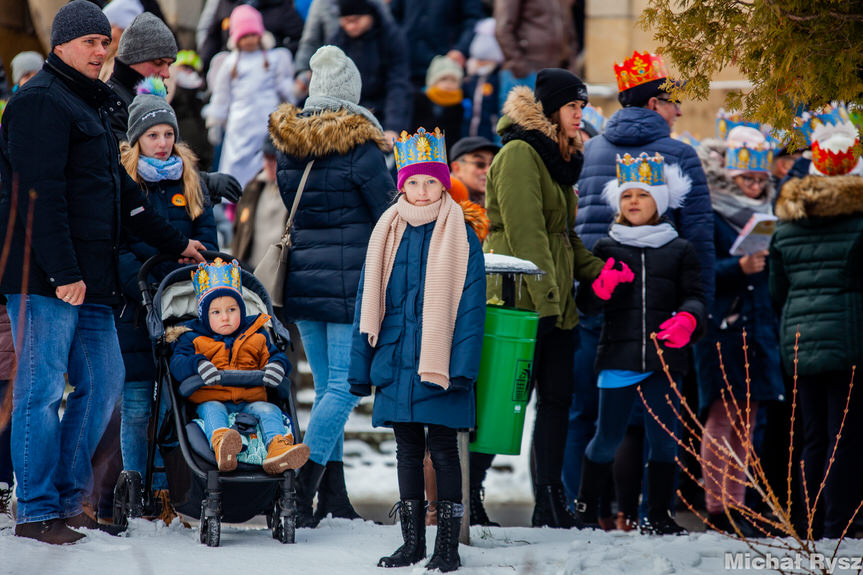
pixel 226 443
pixel 284 454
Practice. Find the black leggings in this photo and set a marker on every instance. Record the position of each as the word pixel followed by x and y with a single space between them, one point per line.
pixel 410 451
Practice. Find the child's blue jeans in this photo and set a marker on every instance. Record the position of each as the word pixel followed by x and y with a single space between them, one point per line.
pixel 215 415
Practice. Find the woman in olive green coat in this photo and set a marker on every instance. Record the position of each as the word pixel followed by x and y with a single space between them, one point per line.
pixel 531 203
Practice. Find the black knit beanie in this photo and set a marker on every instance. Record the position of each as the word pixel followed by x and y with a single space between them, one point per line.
pixel 556 87
pixel 355 7
pixel 78 18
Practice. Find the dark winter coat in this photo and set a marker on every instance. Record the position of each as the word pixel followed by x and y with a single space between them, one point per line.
pixel 348 189
pixel 532 205
pixel 123 81
pixel 429 115
pixel 741 302
pixel 481 105
pixel 281 20
pixel 816 279
pixel 131 329
pixel 382 59
pixel 56 140
pixel 636 130
pixel 391 366
pixel 667 281
pixel 435 28
pixel 536 35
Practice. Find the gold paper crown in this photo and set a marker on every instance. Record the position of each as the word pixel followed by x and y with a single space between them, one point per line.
pixel 639 69
pixel 420 148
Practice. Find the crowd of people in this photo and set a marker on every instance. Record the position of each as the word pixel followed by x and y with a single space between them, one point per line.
pixel 406 138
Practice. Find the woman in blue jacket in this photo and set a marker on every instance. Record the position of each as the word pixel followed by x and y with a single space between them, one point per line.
pixel 348 188
pixel 167 172
pixel 417 337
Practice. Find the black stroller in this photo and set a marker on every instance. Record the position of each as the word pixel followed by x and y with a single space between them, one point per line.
pixel 196 486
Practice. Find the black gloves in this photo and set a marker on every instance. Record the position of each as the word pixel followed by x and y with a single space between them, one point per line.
pixel 222 186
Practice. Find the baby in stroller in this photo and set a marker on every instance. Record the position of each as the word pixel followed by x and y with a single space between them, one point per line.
pixel 224 338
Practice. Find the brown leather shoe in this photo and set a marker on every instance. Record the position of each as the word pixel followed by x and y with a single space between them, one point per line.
pixel 84 521
pixel 284 454
pixel 53 531
pixel 226 443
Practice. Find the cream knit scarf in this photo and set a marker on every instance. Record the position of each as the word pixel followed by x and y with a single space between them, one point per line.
pixel 446 270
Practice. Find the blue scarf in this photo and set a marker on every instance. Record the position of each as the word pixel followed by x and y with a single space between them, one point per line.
pixel 156 170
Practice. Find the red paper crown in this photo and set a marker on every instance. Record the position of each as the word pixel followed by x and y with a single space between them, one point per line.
pixel 639 69
pixel 832 163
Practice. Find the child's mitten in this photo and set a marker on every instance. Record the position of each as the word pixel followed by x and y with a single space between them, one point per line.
pixel 209 372
pixel 273 374
pixel 609 278
pixel 677 330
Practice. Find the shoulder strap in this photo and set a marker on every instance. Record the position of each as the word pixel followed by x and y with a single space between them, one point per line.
pixel 296 203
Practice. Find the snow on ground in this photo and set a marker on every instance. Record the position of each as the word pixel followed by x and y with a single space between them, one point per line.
pixel 340 546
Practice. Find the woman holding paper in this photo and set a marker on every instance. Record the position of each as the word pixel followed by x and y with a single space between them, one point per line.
pixel 738 174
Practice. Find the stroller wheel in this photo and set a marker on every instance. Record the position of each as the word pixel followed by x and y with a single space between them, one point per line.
pixel 284 526
pixel 210 531
pixel 128 498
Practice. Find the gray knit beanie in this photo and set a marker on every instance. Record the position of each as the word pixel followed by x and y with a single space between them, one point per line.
pixel 24 63
pixel 146 38
pixel 334 75
pixel 78 18
pixel 146 111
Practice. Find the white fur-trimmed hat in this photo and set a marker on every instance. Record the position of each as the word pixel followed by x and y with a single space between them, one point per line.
pixel 666 182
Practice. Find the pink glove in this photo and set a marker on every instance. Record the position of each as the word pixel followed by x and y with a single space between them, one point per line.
pixel 608 278
pixel 677 330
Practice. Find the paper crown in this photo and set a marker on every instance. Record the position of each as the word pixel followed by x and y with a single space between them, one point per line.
pixel 643 169
pixel 727 121
pixel 639 69
pixel 834 148
pixel 749 158
pixel 209 277
pixel 592 116
pixel 666 182
pixel 834 114
pixel 687 138
pixel 420 148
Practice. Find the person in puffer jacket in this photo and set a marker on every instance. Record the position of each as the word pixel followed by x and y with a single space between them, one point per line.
pixel 223 337
pixel 665 297
pixel 644 124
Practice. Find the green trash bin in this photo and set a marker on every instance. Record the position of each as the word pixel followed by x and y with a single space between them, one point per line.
pixel 503 385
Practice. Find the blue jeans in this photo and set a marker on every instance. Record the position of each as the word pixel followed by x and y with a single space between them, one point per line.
pixel 215 415
pixel 615 409
pixel 135 411
pixel 52 456
pixel 585 404
pixel 328 349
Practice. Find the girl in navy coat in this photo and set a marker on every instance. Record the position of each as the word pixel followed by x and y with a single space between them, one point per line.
pixel 418 331
pixel 666 297
pixel 167 171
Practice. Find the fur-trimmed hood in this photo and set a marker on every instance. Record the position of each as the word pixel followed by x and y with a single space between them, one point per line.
pixel 174 332
pixel 321 133
pixel 820 197
pixel 524 109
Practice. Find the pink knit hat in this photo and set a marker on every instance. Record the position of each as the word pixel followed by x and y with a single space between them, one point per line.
pixel 245 20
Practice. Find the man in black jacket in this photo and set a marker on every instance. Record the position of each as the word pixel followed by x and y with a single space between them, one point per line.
pixel 66 197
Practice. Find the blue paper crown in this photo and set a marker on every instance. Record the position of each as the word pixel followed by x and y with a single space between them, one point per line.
pixel 594 117
pixel 420 148
pixel 834 114
pixel 727 121
pixel 749 158
pixel 216 275
pixel 644 169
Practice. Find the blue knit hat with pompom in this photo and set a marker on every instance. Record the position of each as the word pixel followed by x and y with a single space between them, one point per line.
pixel 150 108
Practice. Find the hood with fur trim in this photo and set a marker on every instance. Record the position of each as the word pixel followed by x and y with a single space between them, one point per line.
pixel 524 120
pixel 820 197
pixel 321 133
